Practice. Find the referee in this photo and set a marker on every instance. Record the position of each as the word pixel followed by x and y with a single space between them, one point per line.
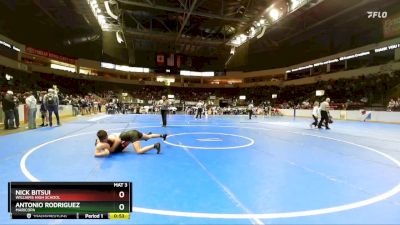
pixel 199 106
pixel 250 108
pixel 164 104
pixel 324 107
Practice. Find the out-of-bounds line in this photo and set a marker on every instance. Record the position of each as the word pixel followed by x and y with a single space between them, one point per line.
pixel 98 118
pixel 288 124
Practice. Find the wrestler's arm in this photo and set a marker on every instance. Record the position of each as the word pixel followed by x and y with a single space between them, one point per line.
pixel 116 142
pixel 102 150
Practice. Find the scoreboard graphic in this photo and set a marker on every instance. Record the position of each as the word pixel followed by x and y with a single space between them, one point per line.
pixel 70 200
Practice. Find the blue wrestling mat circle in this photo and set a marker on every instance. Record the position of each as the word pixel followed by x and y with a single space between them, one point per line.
pixel 209 140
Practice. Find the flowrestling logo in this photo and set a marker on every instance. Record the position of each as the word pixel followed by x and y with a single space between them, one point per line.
pixel 377 14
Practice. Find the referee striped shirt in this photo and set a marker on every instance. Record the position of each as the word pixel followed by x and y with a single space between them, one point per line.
pixel 324 106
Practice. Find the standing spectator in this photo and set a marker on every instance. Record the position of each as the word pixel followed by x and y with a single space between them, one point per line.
pixel 31 103
pixel 205 110
pixel 75 107
pixel 43 110
pixel 2 94
pixel 90 104
pixel 99 105
pixel 15 111
pixel 8 108
pixel 267 108
pixel 51 102
pixel 315 113
pixel 95 105
pixel 324 107
pixel 81 105
pixel 164 105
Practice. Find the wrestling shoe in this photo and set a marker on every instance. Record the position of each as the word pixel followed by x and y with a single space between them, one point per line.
pixel 164 136
pixel 158 147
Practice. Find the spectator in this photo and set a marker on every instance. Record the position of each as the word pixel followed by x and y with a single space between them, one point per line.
pixel 51 102
pixel 391 105
pixel 315 114
pixel 31 103
pixel 397 104
pixel 43 110
pixel 99 105
pixel 15 111
pixel 75 107
pixel 8 108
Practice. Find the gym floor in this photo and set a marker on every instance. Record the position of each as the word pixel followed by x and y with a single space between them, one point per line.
pixel 223 169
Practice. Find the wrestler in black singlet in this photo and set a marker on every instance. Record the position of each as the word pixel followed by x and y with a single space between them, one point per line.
pixel 131 136
pixel 119 148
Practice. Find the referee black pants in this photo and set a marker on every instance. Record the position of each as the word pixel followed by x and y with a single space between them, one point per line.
pixel 164 117
pixel 250 113
pixel 199 112
pixel 324 118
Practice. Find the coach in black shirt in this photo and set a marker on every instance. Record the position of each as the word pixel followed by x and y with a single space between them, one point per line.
pixel 8 108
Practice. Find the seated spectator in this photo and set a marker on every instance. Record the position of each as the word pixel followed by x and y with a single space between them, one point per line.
pixel 391 105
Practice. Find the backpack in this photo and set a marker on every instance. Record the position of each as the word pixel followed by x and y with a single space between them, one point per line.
pixel 51 100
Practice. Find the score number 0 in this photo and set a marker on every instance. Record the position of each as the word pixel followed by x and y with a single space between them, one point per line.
pixel 121 195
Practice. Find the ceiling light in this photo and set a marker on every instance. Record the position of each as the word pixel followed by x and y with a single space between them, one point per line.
pixel 9 77
pixel 295 4
pixel 274 14
pixel 235 42
pixel 243 37
pixel 102 20
pixel 252 32
pixel 94 4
